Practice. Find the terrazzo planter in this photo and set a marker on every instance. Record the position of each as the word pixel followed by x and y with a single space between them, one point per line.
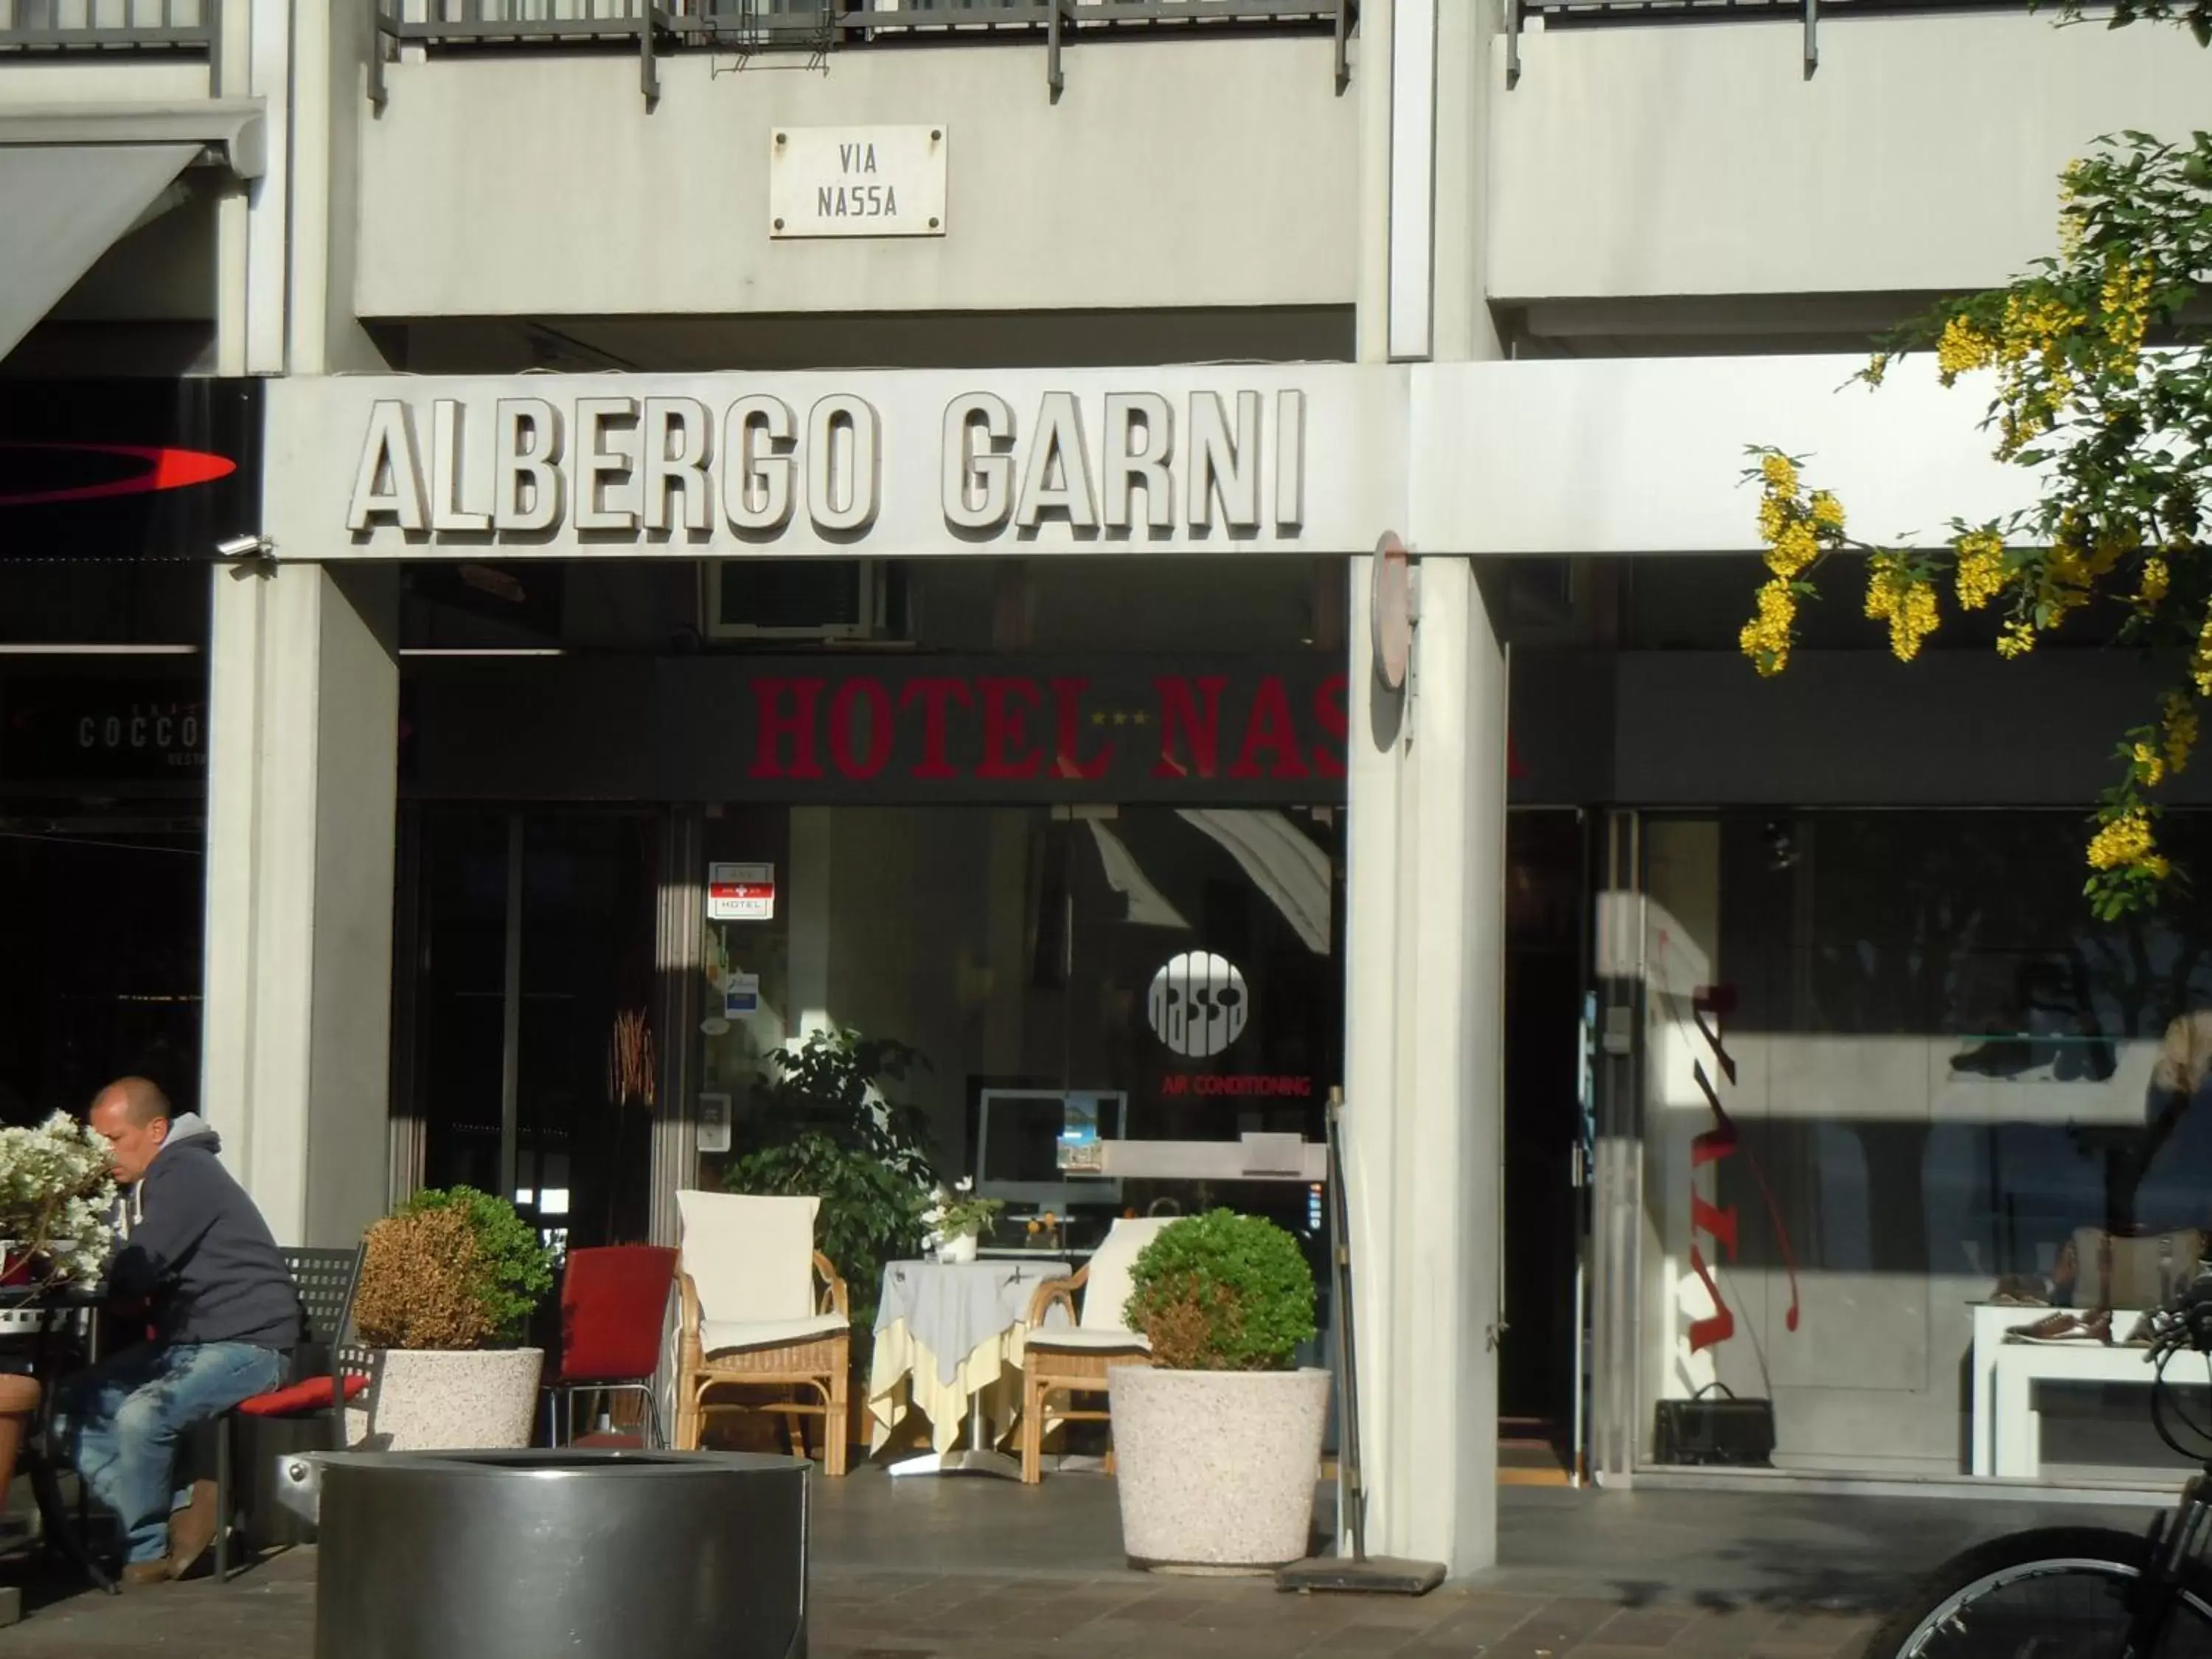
pixel 423 1400
pixel 1216 1469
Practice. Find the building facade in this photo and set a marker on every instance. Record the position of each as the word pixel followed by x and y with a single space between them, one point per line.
pixel 766 517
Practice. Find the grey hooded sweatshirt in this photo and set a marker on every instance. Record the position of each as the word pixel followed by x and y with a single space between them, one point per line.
pixel 194 1244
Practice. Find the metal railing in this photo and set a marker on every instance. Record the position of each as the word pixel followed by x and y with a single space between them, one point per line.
pixel 1806 14
pixel 108 25
pixel 655 27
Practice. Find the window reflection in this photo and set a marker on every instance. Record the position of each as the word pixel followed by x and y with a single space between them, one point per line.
pixel 1948 1083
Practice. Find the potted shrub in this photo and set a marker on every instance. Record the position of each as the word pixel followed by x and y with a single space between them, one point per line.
pixel 1218 1441
pixel 448 1284
pixel 57 1196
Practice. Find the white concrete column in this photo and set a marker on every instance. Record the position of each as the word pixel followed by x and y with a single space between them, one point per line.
pixel 302 760
pixel 253 223
pixel 1424 1071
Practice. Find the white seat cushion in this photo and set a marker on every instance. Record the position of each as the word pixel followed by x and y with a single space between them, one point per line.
pixel 1088 1340
pixel 730 1335
pixel 750 1259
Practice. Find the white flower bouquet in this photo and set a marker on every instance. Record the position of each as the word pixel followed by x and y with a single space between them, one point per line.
pixel 955 1212
pixel 57 1196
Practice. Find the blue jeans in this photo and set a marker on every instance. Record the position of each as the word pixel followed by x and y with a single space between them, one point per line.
pixel 119 1422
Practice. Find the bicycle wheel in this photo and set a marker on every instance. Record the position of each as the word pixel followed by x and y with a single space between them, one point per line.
pixel 2057 1593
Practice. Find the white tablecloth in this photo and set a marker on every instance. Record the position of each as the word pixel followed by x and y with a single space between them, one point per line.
pixel 945 1333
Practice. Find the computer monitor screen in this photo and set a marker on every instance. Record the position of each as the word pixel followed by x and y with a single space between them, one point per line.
pixel 1019 1136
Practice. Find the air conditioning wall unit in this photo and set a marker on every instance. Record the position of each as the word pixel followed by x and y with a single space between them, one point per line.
pixel 804 599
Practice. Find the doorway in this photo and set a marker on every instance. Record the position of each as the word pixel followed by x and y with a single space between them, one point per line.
pixel 1545 1141
pixel 532 934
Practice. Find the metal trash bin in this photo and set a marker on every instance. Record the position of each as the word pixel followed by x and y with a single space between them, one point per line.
pixel 522 1554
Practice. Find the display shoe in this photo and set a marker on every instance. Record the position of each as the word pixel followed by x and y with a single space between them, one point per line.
pixel 2019 1291
pixel 2065 1327
pixel 143 1575
pixel 2139 1335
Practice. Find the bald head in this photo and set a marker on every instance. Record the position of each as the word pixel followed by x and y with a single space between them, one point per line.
pixel 132 1116
pixel 141 1100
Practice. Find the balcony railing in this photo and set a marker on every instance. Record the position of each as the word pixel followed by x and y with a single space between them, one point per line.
pixel 1806 14
pixel 28 26
pixel 653 29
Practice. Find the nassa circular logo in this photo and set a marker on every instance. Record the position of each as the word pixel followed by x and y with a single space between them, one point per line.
pixel 1198 1004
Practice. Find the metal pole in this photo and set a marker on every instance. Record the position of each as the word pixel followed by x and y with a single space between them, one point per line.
pixel 510 1056
pixel 1351 1497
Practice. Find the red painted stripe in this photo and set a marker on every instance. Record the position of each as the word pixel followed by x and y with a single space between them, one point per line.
pixel 164 469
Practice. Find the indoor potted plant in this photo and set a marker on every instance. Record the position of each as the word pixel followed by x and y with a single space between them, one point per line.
pixel 1224 1300
pixel 823 1124
pixel 448 1284
pixel 56 1200
pixel 957 1220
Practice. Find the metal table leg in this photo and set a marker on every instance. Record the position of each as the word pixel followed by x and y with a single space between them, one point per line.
pixel 976 1457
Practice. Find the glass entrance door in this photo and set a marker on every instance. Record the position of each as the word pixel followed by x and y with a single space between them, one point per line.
pixel 534 947
pixel 1546 1133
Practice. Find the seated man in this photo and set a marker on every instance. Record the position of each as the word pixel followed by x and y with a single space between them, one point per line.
pixel 225 1315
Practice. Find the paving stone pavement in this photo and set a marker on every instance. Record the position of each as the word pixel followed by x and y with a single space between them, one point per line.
pixel 978 1570
pixel 875 1614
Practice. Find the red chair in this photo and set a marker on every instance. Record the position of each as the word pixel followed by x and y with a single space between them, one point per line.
pixel 614 1314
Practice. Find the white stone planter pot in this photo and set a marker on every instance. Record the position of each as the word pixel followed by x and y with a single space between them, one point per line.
pixel 1216 1469
pixel 960 1247
pixel 419 1399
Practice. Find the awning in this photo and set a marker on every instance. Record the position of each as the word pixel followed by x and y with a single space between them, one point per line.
pixel 74 180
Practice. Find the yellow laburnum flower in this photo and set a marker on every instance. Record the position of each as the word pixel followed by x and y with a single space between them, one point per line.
pixel 1773 518
pixel 1963 347
pixel 1828 512
pixel 1907 605
pixel 1981 573
pixel 2178 732
pixel 1780 473
pixel 1877 369
pixel 2200 665
pixel 1883 580
pixel 2072 226
pixel 2150 764
pixel 2126 301
pixel 2155 578
pixel 1915 620
pixel 2017 640
pixel 1793 550
pixel 2124 843
pixel 1765 637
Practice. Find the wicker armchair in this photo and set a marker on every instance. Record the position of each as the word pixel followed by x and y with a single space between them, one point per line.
pixel 1059 1363
pixel 766 1326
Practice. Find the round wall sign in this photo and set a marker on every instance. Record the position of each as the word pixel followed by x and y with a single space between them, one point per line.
pixel 1390 606
pixel 1198 1004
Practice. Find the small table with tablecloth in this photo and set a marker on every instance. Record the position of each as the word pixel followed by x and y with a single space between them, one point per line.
pixel 948 1344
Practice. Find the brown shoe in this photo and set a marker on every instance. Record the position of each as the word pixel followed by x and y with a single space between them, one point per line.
pixel 191 1529
pixel 141 1574
pixel 2065 1327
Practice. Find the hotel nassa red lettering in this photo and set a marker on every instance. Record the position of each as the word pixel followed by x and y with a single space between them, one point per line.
pixel 1002 727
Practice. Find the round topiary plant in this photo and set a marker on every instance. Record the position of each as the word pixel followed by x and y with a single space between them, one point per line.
pixel 451 1269
pixel 1223 1292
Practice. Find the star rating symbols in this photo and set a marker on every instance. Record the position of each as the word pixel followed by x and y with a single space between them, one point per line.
pixel 1121 717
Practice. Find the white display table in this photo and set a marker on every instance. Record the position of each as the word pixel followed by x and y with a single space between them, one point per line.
pixel 2007 1431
